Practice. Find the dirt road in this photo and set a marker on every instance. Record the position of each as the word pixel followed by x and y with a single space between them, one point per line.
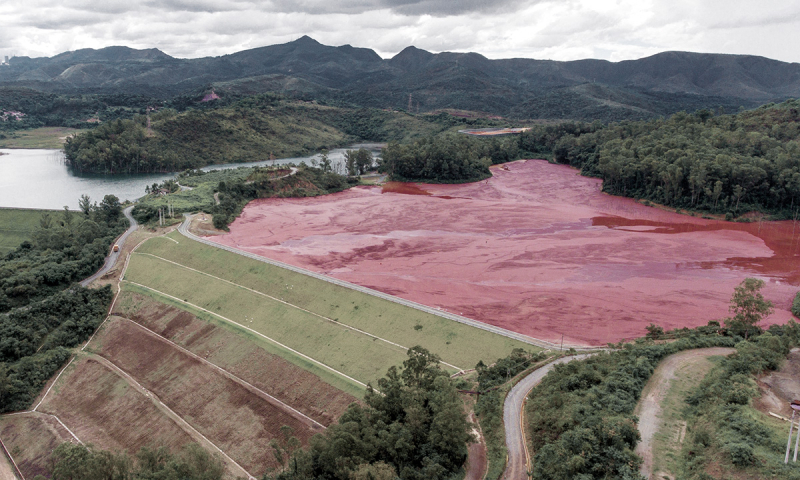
pixel 476 459
pixel 649 407
pixel 517 467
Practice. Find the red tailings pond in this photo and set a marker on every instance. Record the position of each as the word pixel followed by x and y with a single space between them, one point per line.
pixel 537 249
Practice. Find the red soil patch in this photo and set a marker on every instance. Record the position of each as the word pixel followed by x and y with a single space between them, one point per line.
pixel 234 418
pixel 281 379
pixel 537 249
pixel 31 439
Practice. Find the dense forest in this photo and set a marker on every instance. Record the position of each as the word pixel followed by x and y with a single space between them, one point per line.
pixel 447 158
pixel 41 318
pixel 412 426
pixel 715 163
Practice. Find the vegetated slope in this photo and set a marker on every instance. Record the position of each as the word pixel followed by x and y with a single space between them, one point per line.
pixel 31 439
pixel 17 226
pixel 103 408
pixel 459 344
pixel 237 419
pixel 239 355
pixel 728 163
pixel 253 128
pixel 422 81
pixel 726 436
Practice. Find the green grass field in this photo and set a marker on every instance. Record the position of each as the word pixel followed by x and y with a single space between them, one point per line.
pixel 356 354
pixel 16 226
pixel 45 137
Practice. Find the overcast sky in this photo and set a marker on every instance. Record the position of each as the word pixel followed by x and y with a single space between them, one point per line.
pixel 555 29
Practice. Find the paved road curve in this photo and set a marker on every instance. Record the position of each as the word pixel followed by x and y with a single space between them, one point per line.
pixel 184 230
pixel 112 257
pixel 517 466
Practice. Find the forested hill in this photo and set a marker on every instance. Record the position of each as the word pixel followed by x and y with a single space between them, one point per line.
pixel 422 81
pixel 254 128
pixel 718 163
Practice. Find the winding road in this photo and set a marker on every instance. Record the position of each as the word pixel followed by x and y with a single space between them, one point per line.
pixel 517 466
pixel 112 257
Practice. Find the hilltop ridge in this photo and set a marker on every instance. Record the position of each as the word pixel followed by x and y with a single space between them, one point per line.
pixel 423 81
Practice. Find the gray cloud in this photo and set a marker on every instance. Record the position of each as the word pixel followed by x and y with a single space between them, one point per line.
pixel 556 29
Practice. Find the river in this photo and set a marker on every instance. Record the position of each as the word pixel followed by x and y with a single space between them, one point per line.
pixel 32 178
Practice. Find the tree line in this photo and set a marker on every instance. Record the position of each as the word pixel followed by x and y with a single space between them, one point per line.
pixel 714 163
pixel 446 158
pixel 42 311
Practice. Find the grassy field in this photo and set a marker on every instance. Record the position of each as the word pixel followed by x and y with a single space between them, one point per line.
pixel 16 226
pixel 357 354
pixel 45 137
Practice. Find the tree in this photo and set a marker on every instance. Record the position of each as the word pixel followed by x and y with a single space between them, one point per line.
pixel 85 204
pixel 110 208
pixel 748 306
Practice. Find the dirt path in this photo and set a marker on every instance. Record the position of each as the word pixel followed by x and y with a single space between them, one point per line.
pixel 6 469
pixel 476 458
pixel 649 407
pixel 112 257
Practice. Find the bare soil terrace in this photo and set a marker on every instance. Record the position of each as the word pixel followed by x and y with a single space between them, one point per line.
pixel 536 249
pixel 233 417
pixel 236 354
pixel 31 438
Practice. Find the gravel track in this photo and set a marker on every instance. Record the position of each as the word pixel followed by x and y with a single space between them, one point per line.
pixel 649 407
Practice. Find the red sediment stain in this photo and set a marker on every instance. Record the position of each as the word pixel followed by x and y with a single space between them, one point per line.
pixel 404 188
pixel 537 249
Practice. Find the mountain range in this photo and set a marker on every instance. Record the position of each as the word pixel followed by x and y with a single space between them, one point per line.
pixel 422 81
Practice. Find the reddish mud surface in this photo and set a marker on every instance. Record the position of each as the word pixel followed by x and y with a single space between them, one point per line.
pixel 537 249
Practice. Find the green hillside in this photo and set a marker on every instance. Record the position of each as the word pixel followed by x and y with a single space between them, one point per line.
pixel 248 129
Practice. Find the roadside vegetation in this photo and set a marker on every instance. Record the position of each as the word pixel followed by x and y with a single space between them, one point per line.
pixel 727 437
pixel 39 319
pixel 581 416
pixel 796 305
pixel 85 462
